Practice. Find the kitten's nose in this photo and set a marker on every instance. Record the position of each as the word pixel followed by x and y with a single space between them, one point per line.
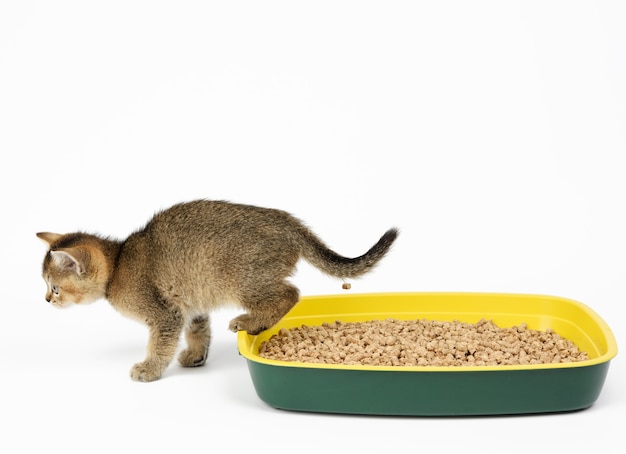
pixel 48 298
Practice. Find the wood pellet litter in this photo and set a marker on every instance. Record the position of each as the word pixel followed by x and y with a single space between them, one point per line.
pixel 423 342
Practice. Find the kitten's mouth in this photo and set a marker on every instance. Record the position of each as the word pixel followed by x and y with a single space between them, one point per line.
pixel 59 304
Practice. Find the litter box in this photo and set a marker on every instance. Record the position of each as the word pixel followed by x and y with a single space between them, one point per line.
pixel 432 390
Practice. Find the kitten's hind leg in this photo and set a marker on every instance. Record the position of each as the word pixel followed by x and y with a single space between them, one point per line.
pixel 265 308
pixel 198 335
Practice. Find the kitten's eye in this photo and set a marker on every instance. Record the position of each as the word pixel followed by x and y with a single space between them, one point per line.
pixel 55 289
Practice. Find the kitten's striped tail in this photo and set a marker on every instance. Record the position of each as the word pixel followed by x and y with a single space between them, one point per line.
pixel 319 255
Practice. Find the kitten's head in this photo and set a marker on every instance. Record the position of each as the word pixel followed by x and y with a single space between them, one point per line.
pixel 74 269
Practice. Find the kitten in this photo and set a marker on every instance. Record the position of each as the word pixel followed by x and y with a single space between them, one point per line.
pixel 188 260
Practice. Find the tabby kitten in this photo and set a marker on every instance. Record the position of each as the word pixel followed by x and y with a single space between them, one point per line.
pixel 188 260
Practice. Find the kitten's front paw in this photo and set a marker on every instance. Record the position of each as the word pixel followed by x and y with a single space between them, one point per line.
pixel 145 372
pixel 190 358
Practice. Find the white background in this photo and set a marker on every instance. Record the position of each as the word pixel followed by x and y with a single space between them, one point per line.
pixel 493 134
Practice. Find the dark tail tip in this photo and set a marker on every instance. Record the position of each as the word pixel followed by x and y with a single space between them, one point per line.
pixel 385 241
pixel 382 246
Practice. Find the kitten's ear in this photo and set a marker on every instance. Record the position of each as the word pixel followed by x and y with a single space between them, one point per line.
pixel 64 259
pixel 48 238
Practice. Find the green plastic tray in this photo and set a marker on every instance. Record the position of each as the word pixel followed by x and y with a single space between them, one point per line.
pixel 429 390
